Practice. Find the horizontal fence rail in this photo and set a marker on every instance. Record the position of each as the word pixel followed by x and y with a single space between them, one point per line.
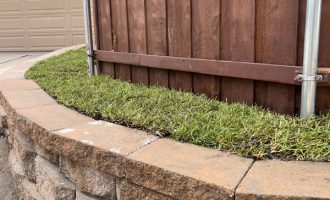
pixel 245 70
pixel 248 51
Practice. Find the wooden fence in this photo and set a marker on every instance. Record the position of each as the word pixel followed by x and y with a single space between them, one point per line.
pixel 234 50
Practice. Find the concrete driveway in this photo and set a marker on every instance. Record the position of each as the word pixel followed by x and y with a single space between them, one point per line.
pixel 10 59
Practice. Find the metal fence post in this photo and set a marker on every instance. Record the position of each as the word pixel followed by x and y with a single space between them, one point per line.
pixel 311 51
pixel 89 36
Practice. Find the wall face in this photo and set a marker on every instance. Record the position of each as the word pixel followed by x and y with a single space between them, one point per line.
pixel 37 25
pixel 41 174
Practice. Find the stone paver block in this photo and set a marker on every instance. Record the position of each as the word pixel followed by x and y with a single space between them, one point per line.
pixel 25 154
pixel 18 84
pixel 88 179
pixel 54 117
pixel 16 169
pixel 28 191
pixel 82 196
pixel 286 180
pixel 7 186
pixel 127 191
pixel 9 136
pixel 38 122
pixel 25 189
pixel 108 136
pixel 108 144
pixel 186 171
pixel 48 155
pixel 51 184
pixel 27 98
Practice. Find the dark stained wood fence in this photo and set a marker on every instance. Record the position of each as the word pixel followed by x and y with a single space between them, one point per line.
pixel 234 50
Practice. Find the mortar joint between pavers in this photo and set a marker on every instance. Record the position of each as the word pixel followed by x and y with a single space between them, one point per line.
pixel 243 177
pixel 143 146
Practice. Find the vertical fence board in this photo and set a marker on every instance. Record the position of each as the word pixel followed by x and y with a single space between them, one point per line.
pixel 179 40
pixel 301 31
pixel 157 42
pixel 300 46
pixel 206 43
pixel 276 32
pixel 324 54
pixel 137 38
pixel 120 36
pixel 237 44
pixel 104 21
pixel 323 93
pixel 322 100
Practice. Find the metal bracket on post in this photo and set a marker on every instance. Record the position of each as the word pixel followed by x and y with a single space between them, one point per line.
pixel 320 77
pixel 301 77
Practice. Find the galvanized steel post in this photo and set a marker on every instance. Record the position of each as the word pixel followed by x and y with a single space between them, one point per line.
pixel 311 50
pixel 89 36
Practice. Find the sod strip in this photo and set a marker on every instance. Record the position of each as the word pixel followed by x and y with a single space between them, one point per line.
pixel 247 131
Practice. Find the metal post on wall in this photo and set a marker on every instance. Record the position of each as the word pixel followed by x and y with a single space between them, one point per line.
pixel 89 36
pixel 311 50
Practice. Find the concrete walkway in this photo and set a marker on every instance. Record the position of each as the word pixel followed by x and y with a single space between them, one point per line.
pixel 11 59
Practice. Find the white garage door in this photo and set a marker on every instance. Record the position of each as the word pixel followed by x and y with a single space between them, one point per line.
pixel 37 25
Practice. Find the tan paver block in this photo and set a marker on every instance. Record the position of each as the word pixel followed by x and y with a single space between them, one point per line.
pixel 88 179
pixel 29 191
pixel 108 144
pixel 108 136
pixel 53 117
pixel 27 98
pixel 46 154
pixel 18 84
pixel 286 180
pixel 187 170
pixel 128 191
pixel 51 184
pixel 82 196
pixel 25 154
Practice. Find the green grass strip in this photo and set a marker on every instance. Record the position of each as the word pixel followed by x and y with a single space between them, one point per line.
pixel 247 131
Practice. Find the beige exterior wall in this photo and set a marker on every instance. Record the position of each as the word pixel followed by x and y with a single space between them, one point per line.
pixel 37 25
